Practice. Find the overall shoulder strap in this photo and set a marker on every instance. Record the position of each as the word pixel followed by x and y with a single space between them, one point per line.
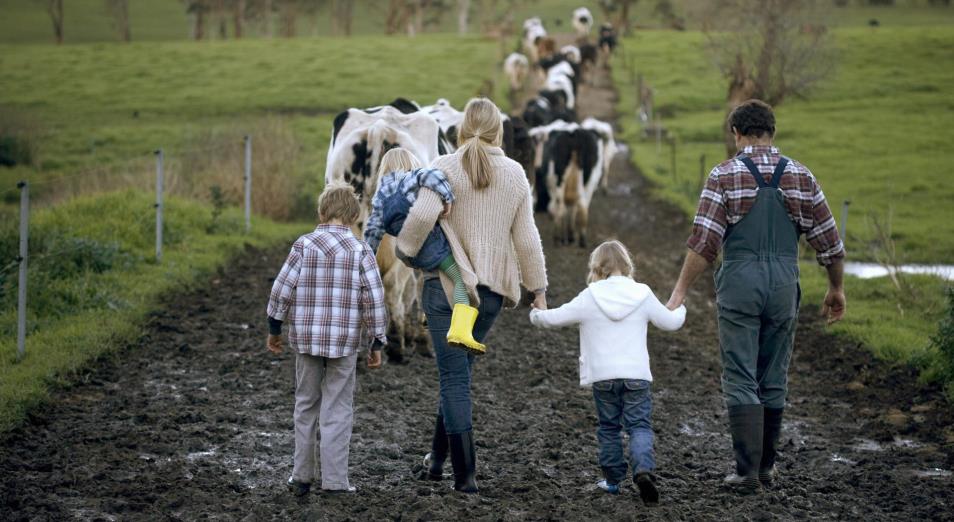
pixel 754 170
pixel 779 170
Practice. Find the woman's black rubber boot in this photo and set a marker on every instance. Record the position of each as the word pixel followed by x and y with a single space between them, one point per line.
pixel 434 461
pixel 464 459
pixel 772 427
pixel 745 423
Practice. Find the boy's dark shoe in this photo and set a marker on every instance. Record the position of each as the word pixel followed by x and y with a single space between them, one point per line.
pixel 298 488
pixel 646 483
pixel 612 489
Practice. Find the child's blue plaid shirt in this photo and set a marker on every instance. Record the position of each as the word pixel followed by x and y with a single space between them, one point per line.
pixel 408 184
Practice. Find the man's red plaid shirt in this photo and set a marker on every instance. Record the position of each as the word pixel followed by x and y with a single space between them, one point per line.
pixel 730 193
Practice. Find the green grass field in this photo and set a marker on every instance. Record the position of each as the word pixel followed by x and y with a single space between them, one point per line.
pixel 95 113
pixel 876 133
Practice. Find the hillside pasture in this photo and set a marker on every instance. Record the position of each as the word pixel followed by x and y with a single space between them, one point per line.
pixel 876 134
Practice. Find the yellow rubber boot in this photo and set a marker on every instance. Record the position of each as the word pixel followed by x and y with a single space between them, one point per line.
pixel 461 331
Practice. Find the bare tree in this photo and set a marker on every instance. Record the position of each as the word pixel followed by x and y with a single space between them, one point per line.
pixel 238 17
pixel 287 17
pixel 768 49
pixel 342 12
pixel 463 15
pixel 119 11
pixel 198 9
pixel 55 9
pixel 267 17
pixel 617 13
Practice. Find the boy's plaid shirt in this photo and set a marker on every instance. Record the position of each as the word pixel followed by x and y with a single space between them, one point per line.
pixel 408 184
pixel 331 291
pixel 730 193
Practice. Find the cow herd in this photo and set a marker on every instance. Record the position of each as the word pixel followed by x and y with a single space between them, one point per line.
pixel 565 160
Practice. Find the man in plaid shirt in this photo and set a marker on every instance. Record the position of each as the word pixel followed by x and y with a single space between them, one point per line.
pixel 753 208
pixel 330 291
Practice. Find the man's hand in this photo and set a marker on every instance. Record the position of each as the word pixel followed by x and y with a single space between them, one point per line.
pixel 833 308
pixel 274 344
pixel 374 359
pixel 539 301
pixel 447 210
pixel 676 300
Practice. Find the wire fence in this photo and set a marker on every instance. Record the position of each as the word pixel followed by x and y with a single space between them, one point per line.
pixel 126 173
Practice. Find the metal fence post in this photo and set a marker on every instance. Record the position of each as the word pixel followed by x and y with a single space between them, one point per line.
pixel 22 283
pixel 702 172
pixel 844 217
pixel 159 173
pixel 672 159
pixel 248 183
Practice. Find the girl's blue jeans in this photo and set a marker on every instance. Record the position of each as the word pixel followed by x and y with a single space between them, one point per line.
pixel 624 404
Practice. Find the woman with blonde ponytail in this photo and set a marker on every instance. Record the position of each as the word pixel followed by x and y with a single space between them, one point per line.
pixel 497 247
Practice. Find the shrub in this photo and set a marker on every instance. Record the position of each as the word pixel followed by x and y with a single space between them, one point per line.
pixel 943 340
pixel 19 141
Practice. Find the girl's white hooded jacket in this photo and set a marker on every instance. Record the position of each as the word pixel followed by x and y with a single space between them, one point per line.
pixel 613 315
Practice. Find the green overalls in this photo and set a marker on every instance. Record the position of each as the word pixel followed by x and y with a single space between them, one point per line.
pixel 757 293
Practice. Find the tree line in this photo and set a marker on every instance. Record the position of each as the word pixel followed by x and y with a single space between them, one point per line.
pixel 234 18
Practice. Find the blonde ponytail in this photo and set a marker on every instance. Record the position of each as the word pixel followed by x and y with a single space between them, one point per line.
pixel 481 128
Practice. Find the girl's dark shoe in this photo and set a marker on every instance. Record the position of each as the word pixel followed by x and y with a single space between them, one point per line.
pixel 612 489
pixel 299 489
pixel 464 459
pixel 646 483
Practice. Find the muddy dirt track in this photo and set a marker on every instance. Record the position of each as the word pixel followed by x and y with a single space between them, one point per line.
pixel 195 421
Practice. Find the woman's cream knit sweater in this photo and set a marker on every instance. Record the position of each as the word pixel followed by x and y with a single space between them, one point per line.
pixel 491 231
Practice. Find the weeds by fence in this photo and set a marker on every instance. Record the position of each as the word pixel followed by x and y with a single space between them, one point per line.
pixel 94 179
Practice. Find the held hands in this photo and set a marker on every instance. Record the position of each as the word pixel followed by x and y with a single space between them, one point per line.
pixel 676 300
pixel 833 307
pixel 539 301
pixel 274 344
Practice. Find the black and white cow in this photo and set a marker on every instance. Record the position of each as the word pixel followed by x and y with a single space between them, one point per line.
pixel 516 145
pixel 562 77
pixel 582 22
pixel 360 137
pixel 533 32
pixel 605 132
pixel 571 168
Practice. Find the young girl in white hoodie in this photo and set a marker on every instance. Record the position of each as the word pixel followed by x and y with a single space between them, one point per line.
pixel 613 313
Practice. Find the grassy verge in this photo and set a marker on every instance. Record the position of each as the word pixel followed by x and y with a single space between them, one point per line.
pixel 93 280
pixel 874 134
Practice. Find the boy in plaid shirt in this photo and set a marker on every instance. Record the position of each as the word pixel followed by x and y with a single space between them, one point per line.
pixel 330 292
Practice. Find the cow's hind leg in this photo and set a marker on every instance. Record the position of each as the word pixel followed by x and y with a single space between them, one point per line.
pixel 582 221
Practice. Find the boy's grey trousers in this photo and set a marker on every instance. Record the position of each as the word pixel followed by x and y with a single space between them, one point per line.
pixel 324 400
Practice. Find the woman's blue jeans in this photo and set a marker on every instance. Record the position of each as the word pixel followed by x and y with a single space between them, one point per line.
pixel 454 364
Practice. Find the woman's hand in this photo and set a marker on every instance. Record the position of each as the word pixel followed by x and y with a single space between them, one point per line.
pixel 447 210
pixel 539 300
